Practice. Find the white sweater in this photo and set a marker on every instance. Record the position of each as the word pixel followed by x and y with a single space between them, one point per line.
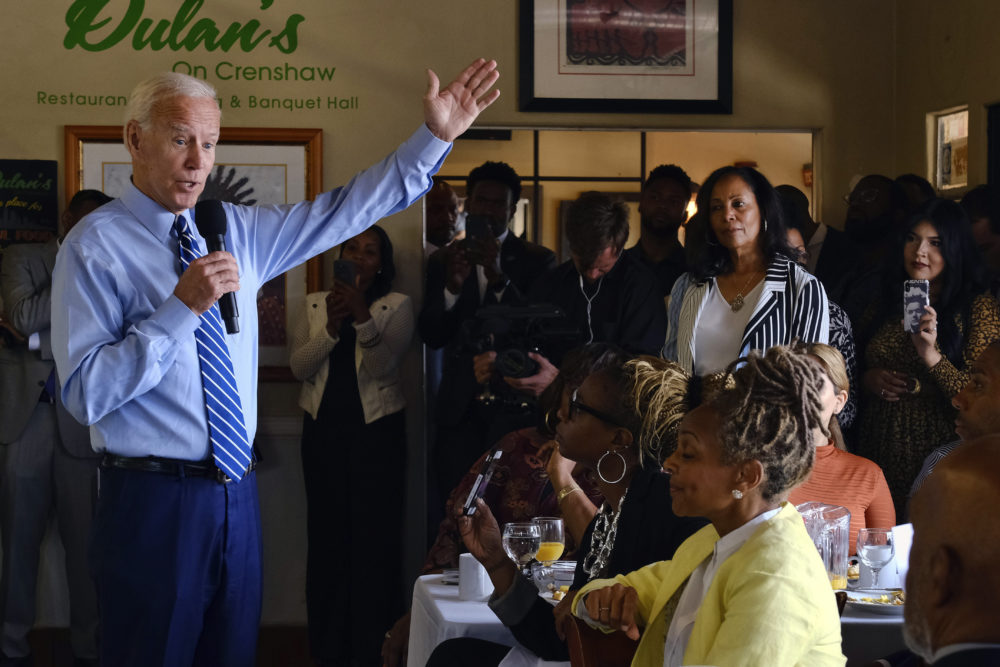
pixel 378 351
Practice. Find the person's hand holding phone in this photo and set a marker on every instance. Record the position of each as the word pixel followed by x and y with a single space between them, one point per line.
pixel 354 301
pixel 336 311
pixel 457 268
pixel 481 536
pixel 925 338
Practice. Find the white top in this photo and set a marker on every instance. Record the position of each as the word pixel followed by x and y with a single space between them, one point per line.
pixel 697 586
pixel 719 330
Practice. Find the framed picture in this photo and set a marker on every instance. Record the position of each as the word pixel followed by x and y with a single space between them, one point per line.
pixel 949 135
pixel 646 56
pixel 252 166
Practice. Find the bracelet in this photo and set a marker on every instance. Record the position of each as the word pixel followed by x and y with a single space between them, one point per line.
pixel 565 491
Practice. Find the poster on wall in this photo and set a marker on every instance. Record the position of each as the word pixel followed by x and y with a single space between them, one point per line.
pixel 654 56
pixel 28 201
pixel 253 166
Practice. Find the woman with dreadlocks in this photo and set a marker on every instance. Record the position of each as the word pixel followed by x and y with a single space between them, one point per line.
pixel 619 423
pixel 749 589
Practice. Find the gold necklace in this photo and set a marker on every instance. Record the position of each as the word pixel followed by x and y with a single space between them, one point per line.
pixel 737 303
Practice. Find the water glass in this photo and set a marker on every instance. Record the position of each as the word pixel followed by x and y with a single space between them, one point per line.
pixel 876 549
pixel 521 542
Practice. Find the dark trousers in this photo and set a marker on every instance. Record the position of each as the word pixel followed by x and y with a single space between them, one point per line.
pixel 355 484
pixel 177 562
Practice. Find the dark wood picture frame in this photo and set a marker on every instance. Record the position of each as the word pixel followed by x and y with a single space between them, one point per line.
pixel 530 99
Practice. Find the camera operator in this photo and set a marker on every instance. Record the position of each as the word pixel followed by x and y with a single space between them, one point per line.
pixel 606 295
pixel 490 266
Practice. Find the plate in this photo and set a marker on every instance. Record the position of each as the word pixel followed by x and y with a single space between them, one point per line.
pixel 854 599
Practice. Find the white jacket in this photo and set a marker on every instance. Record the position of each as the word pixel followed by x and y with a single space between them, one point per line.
pixel 385 336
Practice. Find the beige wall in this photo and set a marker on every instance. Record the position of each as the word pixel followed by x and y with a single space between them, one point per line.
pixel 946 57
pixel 812 65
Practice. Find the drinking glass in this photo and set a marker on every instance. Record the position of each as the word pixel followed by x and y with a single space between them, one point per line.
pixel 875 549
pixel 552 539
pixel 521 542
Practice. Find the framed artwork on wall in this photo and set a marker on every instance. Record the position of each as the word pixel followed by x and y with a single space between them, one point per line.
pixel 252 166
pixel 649 56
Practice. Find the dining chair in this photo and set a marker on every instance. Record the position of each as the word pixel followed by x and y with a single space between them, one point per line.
pixel 589 647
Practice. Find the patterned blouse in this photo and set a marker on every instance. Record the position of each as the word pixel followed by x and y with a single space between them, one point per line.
pixel 518 491
pixel 899 435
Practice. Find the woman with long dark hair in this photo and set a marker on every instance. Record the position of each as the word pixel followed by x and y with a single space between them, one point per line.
pixel 911 378
pixel 745 290
pixel 347 353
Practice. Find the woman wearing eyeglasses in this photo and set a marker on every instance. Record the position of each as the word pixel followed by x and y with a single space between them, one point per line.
pixel 619 423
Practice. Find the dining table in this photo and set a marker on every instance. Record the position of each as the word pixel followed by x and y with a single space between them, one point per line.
pixel 438 614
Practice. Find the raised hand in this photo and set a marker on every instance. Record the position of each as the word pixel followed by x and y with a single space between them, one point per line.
pixel 450 111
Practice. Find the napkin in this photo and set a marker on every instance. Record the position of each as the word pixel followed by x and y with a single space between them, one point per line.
pixel 473 581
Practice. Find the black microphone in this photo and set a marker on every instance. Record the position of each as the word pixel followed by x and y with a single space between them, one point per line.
pixel 210 218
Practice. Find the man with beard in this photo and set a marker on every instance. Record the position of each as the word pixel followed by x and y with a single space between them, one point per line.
pixel 953 584
pixel 662 211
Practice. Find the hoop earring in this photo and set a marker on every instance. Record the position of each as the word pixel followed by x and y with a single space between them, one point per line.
pixel 601 475
pixel 765 225
pixel 551 417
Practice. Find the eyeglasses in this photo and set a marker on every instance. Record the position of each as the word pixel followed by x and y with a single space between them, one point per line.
pixel 862 196
pixel 575 405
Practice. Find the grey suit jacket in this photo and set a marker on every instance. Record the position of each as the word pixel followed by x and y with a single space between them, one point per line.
pixel 25 281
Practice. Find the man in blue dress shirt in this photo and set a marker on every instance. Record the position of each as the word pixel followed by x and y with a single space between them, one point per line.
pixel 176 544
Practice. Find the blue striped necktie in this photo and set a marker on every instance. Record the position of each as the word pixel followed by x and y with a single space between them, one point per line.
pixel 226 427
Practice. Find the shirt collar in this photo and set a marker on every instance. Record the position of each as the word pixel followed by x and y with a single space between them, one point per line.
pixel 731 542
pixel 155 218
pixel 945 651
pixel 818 236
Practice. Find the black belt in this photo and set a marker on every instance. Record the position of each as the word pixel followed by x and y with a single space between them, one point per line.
pixel 175 467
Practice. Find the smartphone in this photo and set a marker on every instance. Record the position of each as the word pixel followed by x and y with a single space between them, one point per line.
pixel 916 295
pixel 345 271
pixel 477 234
pixel 482 481
pixel 478 227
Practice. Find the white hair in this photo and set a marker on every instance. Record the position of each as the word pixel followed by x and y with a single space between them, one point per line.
pixel 159 88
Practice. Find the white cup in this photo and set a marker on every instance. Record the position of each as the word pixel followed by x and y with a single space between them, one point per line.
pixel 473 581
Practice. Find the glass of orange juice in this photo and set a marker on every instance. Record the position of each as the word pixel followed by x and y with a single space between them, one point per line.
pixel 553 541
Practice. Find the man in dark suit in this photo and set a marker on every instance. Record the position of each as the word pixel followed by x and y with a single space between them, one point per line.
pixel 46 454
pixel 827 249
pixel 952 611
pixel 462 277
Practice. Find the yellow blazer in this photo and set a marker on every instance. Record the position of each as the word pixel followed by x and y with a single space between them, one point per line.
pixel 770 603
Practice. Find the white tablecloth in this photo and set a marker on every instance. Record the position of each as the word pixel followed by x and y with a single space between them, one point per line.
pixel 437 614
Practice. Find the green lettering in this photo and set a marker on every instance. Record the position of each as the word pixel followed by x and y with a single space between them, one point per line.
pixel 326 73
pixel 183 16
pixel 81 17
pixel 289 35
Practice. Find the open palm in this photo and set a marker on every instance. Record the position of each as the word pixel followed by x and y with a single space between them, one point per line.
pixel 449 111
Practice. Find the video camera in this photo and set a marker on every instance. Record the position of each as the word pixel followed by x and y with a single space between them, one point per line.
pixel 514 331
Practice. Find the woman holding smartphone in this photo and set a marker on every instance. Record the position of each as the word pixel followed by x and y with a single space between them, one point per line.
pixel 347 354
pixel 912 377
